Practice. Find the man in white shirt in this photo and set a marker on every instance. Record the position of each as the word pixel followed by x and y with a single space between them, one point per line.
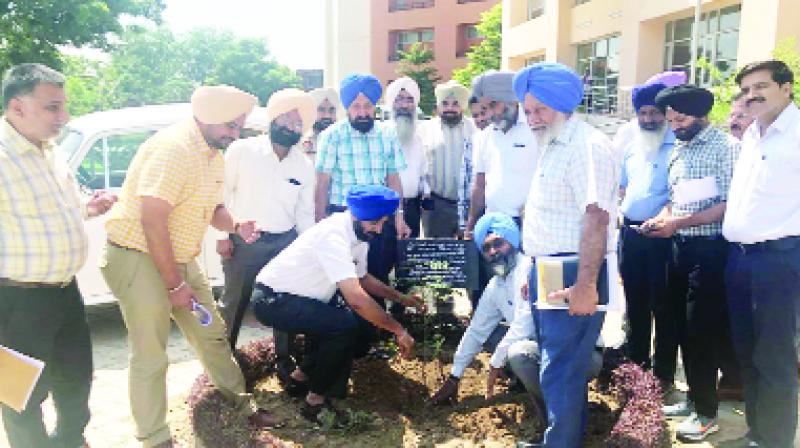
pixel 447 139
pixel 295 293
pixel 504 155
pixel 269 180
pixel 571 197
pixel 328 106
pixel 402 95
pixel 762 221
pixel 738 117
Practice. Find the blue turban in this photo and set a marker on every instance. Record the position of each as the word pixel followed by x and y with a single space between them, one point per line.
pixel 554 84
pixel 354 84
pixel 372 202
pixel 645 95
pixel 499 224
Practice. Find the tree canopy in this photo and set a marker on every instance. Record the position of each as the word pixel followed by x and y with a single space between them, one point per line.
pixel 416 64
pixel 487 54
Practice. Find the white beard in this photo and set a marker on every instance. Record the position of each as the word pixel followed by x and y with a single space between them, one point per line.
pixel 406 129
pixel 649 142
pixel 453 137
pixel 545 136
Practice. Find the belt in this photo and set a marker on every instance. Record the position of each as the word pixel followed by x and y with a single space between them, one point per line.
pixel 120 246
pixel 688 239
pixel 442 198
pixel 631 222
pixel 411 201
pixel 781 244
pixel 31 285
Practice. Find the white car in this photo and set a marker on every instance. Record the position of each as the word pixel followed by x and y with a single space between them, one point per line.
pixel 98 148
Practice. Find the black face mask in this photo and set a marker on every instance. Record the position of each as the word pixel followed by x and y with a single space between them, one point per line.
pixel 451 118
pixel 321 125
pixel 282 135
pixel 690 132
pixel 363 124
pixel 362 234
pixel 502 264
pixel 403 112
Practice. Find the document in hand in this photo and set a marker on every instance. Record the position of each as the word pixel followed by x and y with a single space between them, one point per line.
pixel 18 376
pixel 559 272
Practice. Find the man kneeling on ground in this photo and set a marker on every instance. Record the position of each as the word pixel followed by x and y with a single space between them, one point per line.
pixel 295 293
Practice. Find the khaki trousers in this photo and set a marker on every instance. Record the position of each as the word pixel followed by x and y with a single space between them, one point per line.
pixel 143 299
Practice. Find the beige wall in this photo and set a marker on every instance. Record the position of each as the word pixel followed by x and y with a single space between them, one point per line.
pixel 772 21
pixel 347 30
pixel 445 18
pixel 596 19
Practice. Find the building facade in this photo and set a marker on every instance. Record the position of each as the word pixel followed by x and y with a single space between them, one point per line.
pixel 356 44
pixel 615 44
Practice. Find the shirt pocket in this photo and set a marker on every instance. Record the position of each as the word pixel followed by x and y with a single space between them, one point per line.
pixel 289 194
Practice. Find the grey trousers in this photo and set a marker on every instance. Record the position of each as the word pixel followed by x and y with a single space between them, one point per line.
pixel 240 272
pixel 442 221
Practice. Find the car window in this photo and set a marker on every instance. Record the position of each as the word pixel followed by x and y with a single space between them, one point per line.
pixel 121 149
pixel 91 172
pixel 69 141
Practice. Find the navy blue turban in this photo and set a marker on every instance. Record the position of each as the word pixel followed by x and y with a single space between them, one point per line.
pixel 354 84
pixel 499 224
pixel 645 95
pixel 554 84
pixel 686 99
pixel 372 202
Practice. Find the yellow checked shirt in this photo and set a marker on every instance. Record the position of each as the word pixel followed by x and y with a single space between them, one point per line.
pixel 176 165
pixel 42 238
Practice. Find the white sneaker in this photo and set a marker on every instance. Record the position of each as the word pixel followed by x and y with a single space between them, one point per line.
pixel 696 428
pixel 680 409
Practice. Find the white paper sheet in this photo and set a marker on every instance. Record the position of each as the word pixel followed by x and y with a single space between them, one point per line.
pixel 695 190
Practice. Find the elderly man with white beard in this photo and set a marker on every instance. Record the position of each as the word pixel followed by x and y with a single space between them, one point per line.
pixel 643 260
pixel 448 145
pixel 402 95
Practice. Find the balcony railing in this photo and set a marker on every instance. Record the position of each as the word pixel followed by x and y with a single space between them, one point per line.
pixel 405 5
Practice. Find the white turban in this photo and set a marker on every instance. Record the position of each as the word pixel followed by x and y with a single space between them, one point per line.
pixel 287 100
pixel 326 93
pixel 452 88
pixel 221 104
pixel 394 88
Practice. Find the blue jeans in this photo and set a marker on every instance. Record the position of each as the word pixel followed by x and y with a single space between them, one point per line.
pixel 566 343
pixel 763 298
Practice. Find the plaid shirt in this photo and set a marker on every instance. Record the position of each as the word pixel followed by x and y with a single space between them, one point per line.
pixel 354 158
pixel 575 170
pixel 465 186
pixel 710 153
pixel 176 165
pixel 41 215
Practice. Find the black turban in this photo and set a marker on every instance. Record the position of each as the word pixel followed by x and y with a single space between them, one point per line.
pixel 686 99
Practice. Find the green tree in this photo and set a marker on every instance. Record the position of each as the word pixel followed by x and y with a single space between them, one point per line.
pixel 31 30
pixel 486 55
pixel 416 64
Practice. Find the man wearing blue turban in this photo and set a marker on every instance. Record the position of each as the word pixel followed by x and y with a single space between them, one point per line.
pixel 646 150
pixel 359 151
pixel 296 293
pixel 571 197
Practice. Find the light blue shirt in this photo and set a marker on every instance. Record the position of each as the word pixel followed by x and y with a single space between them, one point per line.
pixel 644 179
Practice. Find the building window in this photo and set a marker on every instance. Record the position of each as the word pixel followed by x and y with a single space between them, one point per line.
pixel 533 60
pixel 461 2
pixel 403 40
pixel 405 5
pixel 598 65
pixel 580 2
pixel 719 41
pixel 535 8
pixel 467 37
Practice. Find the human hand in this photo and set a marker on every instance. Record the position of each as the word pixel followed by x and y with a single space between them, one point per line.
pixel 225 248
pixel 494 374
pixel 524 290
pixel 182 297
pixel 415 301
pixel 662 228
pixel 403 231
pixel 247 231
pixel 448 393
pixel 100 202
pixel 582 299
pixel 406 343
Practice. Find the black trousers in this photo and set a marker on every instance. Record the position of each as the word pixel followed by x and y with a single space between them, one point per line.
pixel 332 333
pixel 411 212
pixel 643 267
pixel 697 289
pixel 49 324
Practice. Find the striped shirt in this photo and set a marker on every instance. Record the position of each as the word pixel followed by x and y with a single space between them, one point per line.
pixel 352 158
pixel 465 186
pixel 711 153
pixel 445 152
pixel 176 165
pixel 42 238
pixel 575 170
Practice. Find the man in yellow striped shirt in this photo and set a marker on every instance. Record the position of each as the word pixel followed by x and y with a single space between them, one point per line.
pixel 42 246
pixel 172 192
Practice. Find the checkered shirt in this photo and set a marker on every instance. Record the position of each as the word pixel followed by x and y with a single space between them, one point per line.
pixel 575 170
pixel 354 158
pixel 710 153
pixel 42 238
pixel 176 165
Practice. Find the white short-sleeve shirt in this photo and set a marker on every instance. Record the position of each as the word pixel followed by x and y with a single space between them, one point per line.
pixel 508 159
pixel 325 254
